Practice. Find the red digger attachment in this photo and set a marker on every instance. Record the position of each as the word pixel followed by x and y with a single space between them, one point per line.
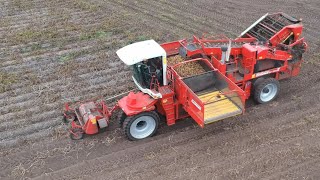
pixel 86 117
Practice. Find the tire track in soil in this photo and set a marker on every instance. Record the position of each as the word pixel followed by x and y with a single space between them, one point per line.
pixel 199 141
pixel 156 21
pixel 179 15
pixel 221 18
pixel 310 167
pixel 293 110
pixel 52 67
pixel 36 118
pixel 23 126
pixel 89 24
pixel 34 63
pixel 83 91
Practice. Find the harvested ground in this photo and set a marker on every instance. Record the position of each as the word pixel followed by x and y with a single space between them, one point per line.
pixel 56 51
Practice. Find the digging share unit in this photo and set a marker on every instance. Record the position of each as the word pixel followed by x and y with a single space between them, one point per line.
pixel 207 78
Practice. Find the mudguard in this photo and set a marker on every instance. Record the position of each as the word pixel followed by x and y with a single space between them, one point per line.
pixel 135 103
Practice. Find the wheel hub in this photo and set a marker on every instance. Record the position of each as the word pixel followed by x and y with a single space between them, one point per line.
pixel 268 92
pixel 265 90
pixel 142 127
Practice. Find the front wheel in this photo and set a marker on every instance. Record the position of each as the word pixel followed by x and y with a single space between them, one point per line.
pixel 266 90
pixel 141 126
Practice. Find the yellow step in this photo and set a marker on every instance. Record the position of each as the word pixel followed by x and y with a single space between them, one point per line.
pixel 218 108
pixel 211 97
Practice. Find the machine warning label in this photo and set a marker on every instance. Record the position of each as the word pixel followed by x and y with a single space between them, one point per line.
pixel 196 104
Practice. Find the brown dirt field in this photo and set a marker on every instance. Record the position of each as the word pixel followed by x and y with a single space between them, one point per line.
pixel 56 51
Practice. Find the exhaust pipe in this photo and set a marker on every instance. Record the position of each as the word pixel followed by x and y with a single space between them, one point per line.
pixel 224 50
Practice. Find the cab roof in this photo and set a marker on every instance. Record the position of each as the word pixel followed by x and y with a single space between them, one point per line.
pixel 139 51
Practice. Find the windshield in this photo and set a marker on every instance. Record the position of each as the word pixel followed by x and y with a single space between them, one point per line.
pixel 149 70
pixel 139 71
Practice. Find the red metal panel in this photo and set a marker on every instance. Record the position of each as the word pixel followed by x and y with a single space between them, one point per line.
pixel 167 105
pixel 280 36
pixel 249 57
pixel 171 48
pixel 296 68
pixel 248 50
pixel 135 103
pixel 262 52
pixel 218 65
pixel 234 89
pixel 186 97
pixel 278 55
pixel 297 30
pixel 91 126
pixel 191 103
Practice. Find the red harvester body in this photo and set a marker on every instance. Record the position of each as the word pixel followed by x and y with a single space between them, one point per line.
pixel 234 69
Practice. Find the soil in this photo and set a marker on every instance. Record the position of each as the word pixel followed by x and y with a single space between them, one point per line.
pixel 56 51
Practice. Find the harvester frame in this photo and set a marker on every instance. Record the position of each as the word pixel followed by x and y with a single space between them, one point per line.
pixel 251 65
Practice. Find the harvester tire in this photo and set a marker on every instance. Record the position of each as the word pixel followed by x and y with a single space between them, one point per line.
pixel 141 126
pixel 266 90
pixel 69 117
pixel 121 117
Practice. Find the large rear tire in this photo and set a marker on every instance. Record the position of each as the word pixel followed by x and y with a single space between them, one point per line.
pixel 266 90
pixel 141 126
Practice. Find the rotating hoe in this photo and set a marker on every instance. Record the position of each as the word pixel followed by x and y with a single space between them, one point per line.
pixel 208 78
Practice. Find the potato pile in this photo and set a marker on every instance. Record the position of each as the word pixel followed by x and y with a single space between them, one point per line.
pixel 187 69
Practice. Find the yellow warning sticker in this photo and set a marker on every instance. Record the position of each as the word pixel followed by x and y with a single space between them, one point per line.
pixel 94 121
pixel 164 60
